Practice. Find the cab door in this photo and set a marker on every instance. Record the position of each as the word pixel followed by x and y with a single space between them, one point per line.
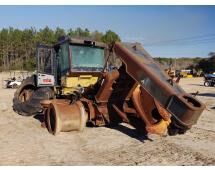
pixel 45 66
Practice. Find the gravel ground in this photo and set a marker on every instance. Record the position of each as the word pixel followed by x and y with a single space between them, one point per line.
pixel 24 142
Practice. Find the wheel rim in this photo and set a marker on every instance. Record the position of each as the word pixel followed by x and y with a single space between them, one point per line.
pixel 206 84
pixel 25 95
pixel 15 86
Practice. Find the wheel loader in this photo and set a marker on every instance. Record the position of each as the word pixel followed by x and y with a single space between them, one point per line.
pixel 76 86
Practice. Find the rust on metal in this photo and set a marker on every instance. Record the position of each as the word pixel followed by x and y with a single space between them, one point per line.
pixel 184 108
pixel 142 111
pixel 25 95
pixel 61 116
pixel 145 105
pixel 164 113
pixel 105 90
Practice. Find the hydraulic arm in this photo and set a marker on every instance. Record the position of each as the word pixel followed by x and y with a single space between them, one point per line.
pixel 168 97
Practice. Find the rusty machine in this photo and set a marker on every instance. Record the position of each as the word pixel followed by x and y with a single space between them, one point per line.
pixel 75 86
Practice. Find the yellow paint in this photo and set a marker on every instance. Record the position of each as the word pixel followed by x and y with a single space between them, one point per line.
pixel 159 128
pixel 189 76
pixel 183 74
pixel 70 84
pixel 66 91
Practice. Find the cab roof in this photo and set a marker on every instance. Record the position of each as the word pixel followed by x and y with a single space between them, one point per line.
pixel 85 42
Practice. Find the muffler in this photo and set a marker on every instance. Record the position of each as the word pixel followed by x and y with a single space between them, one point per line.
pixel 61 116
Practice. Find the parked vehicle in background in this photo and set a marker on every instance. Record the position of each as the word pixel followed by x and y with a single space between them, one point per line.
pixel 199 73
pixel 209 80
pixel 12 82
pixel 186 73
pixel 15 78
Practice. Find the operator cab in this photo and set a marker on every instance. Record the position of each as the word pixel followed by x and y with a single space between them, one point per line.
pixel 80 56
pixel 71 64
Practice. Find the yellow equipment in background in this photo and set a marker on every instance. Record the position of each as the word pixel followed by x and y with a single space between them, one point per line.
pixel 189 76
pixel 186 73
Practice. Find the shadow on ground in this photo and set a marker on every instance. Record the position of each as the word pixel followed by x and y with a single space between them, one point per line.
pixel 133 133
pixel 206 94
pixel 196 84
pixel 39 117
pixel 213 107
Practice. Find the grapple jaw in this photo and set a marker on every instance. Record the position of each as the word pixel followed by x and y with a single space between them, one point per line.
pixel 185 110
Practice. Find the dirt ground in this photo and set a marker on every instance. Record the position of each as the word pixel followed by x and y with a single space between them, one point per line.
pixel 24 142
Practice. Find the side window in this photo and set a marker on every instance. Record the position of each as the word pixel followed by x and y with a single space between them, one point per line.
pixel 64 57
pixel 45 59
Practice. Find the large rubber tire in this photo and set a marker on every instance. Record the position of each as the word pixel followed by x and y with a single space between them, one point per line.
pixel 30 105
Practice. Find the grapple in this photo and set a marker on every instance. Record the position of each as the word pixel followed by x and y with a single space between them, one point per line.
pixel 184 109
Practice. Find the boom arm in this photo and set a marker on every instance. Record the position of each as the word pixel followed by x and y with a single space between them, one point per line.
pixel 184 108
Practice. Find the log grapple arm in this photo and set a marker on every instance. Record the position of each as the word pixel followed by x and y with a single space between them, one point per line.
pixel 184 109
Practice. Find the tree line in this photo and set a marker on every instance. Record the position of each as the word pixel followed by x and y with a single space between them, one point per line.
pixel 207 65
pixel 18 47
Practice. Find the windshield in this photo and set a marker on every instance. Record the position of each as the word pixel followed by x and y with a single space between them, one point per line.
pixel 87 58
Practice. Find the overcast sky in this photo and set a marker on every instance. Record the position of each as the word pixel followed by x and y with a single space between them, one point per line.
pixel 166 31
